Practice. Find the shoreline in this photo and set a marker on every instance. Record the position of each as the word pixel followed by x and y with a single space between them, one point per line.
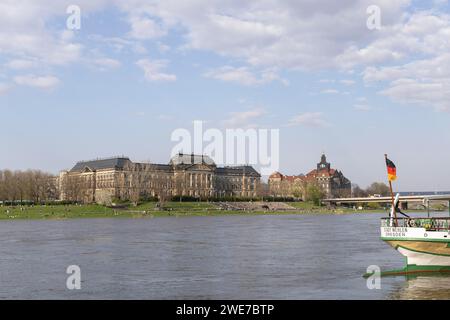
pixel 176 215
pixel 172 209
pixel 58 213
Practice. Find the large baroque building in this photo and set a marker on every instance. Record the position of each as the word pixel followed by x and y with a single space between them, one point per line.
pixel 105 180
pixel 331 181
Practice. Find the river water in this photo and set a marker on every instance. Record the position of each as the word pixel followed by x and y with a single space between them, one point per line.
pixel 226 257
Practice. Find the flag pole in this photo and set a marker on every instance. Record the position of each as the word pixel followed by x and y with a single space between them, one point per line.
pixel 392 198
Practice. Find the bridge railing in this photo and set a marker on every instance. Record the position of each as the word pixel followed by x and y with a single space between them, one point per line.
pixel 430 224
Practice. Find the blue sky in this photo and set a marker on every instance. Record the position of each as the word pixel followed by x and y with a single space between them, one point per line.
pixel 137 70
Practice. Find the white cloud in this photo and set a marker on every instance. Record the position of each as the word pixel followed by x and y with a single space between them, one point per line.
pixel 437 68
pixel 28 38
pixel 243 76
pixel 329 91
pixel 425 82
pixel 118 44
pixel 362 107
pixel 43 82
pixel 434 94
pixel 153 70
pixel 327 81
pixel 361 99
pixel 106 63
pixel 24 31
pixel 347 82
pixel 244 119
pixel 163 47
pixel 165 117
pixel 4 88
pixel 311 119
pixel 309 35
pixel 271 33
pixel 264 37
pixel 423 78
pixel 143 28
pixel 20 64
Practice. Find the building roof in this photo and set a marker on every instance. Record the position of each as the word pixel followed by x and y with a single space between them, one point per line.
pixel 161 166
pixel 181 158
pixel 324 172
pixel 293 178
pixel 178 160
pixel 276 174
pixel 238 170
pixel 286 178
pixel 100 164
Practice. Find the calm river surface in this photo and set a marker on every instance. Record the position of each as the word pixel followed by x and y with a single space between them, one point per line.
pixel 227 257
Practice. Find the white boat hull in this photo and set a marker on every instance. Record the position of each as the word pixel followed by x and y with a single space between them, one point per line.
pixel 423 259
pixel 424 250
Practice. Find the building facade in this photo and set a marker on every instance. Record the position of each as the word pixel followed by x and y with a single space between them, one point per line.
pixel 284 186
pixel 105 180
pixel 332 182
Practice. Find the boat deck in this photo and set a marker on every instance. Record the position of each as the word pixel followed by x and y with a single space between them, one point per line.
pixel 429 224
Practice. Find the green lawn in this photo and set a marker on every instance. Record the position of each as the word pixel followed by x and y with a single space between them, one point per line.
pixel 149 209
pixel 178 205
pixel 57 211
pixel 303 205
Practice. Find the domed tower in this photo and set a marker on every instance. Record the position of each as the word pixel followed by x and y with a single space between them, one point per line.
pixel 323 164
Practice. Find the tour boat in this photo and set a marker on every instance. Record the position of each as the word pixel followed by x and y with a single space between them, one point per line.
pixel 424 242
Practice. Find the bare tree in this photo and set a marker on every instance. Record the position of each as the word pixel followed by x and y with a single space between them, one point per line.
pixel 378 188
pixel 74 187
pixel 161 187
pixel 179 184
pixel 31 185
pixel 358 192
pixel 262 189
pixel 136 186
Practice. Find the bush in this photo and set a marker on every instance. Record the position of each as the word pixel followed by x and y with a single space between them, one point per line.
pixel 120 201
pixel 373 205
pixel 184 198
pixel 148 199
pixel 315 194
pixel 34 203
pixel 213 199
pixel 280 199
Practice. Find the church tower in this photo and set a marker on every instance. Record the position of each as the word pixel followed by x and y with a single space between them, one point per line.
pixel 323 164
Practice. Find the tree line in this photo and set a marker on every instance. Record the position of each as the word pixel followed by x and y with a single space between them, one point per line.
pixel 37 186
pixel 376 188
pixel 25 186
pixel 306 191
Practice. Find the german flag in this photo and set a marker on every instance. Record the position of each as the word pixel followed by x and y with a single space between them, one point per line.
pixel 391 169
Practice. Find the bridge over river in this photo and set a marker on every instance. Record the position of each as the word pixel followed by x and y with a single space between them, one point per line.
pixel 425 199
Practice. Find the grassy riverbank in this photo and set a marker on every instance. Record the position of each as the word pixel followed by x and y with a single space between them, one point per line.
pixel 150 209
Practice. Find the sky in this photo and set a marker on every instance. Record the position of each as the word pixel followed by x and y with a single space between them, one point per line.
pixel 135 71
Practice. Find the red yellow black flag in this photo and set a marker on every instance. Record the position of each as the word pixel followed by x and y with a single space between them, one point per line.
pixel 391 169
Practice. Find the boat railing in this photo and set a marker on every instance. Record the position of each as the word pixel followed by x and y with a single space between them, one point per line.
pixel 430 224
